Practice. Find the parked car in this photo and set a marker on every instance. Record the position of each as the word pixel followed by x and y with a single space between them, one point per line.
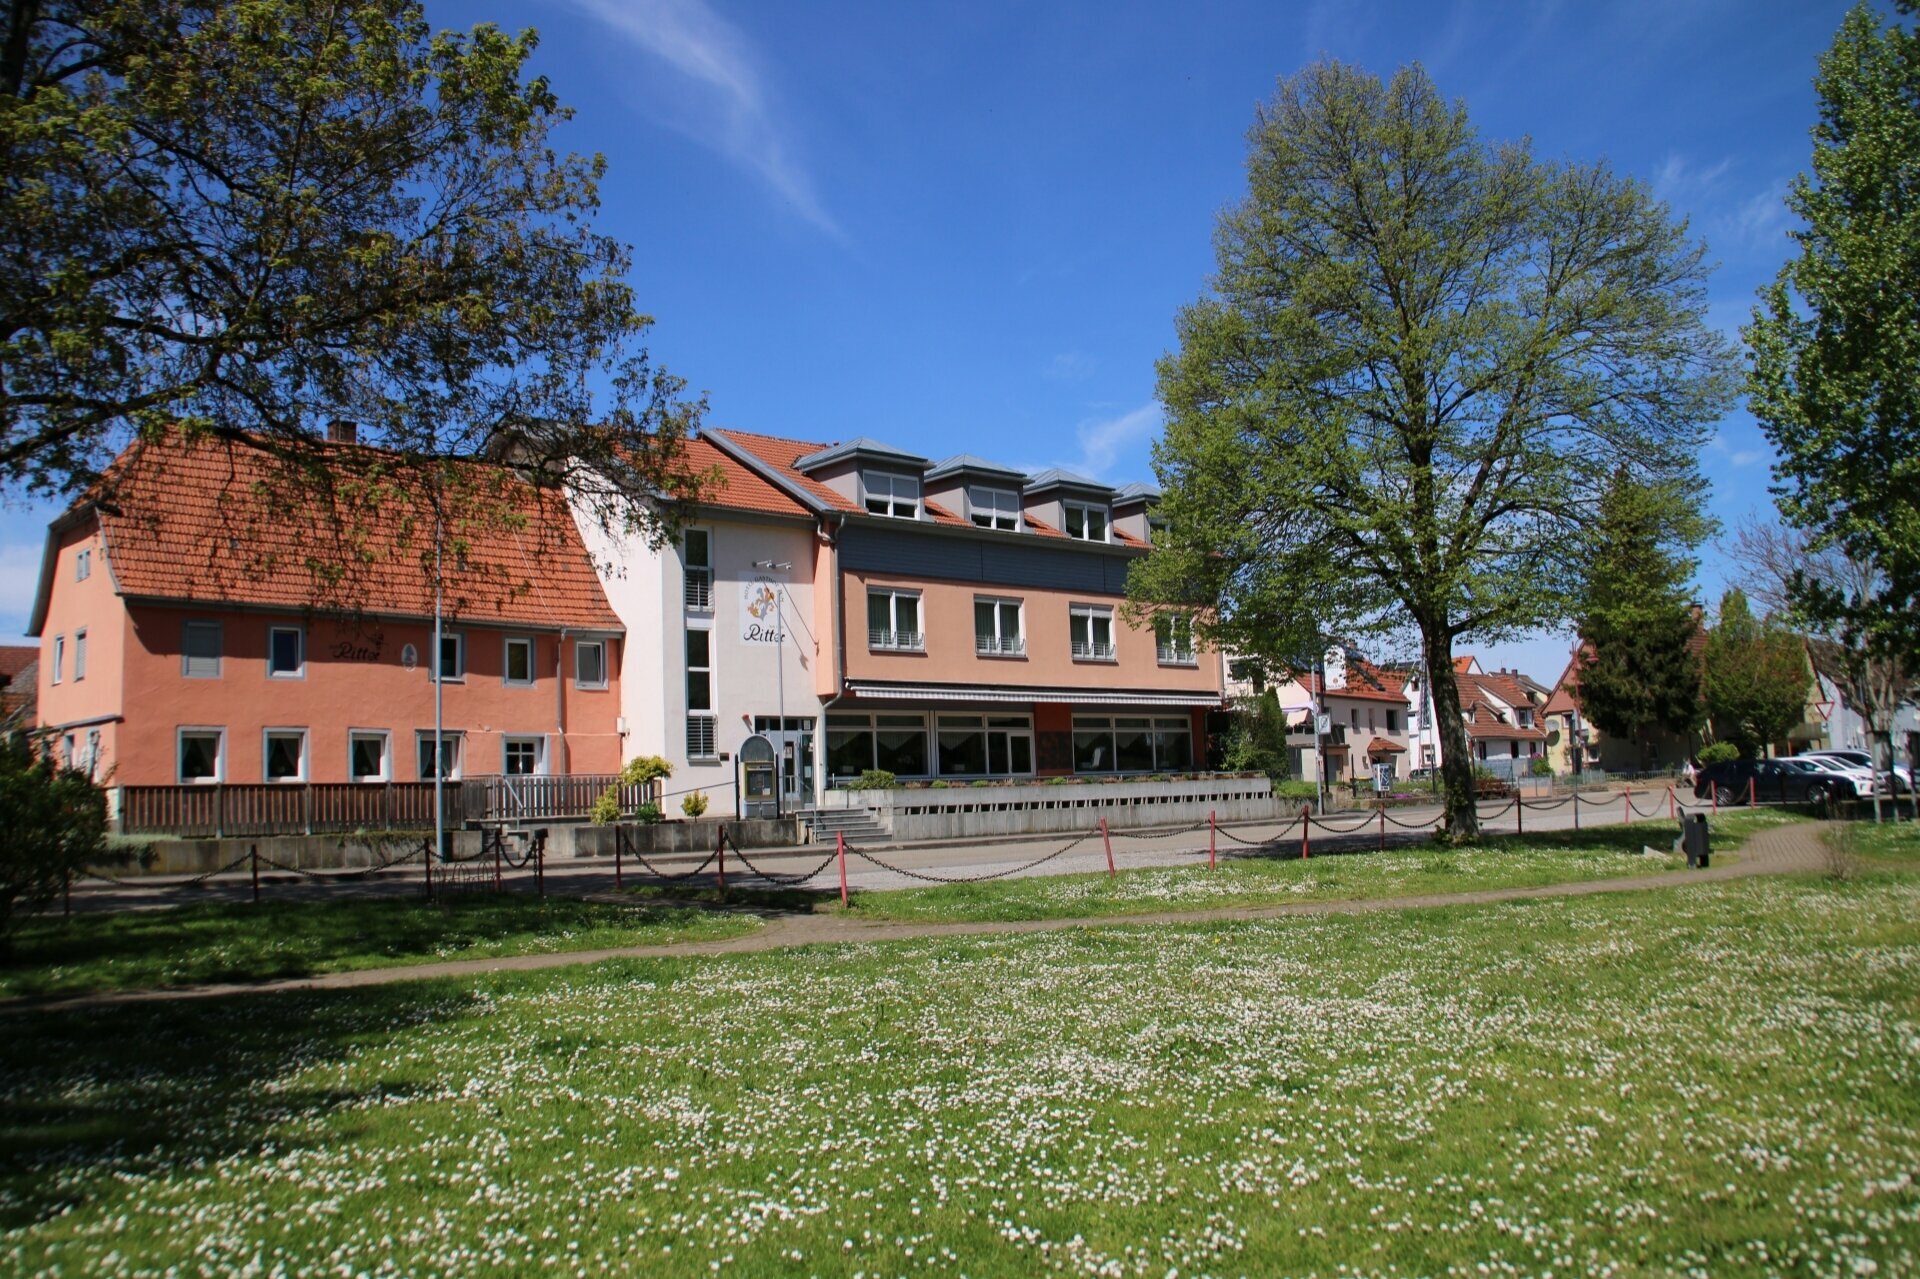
pixel 1423 774
pixel 1792 781
pixel 1899 781
pixel 1861 777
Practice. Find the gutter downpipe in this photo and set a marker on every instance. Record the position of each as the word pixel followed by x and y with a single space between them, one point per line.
pixel 832 538
pixel 560 707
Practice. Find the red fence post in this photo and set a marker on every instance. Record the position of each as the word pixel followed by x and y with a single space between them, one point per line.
pixel 1715 789
pixel 1304 810
pixel 1383 825
pixel 720 850
pixel 840 844
pixel 1670 803
pixel 1753 791
pixel 1107 839
pixel 619 854
pixel 254 849
pixel 1213 828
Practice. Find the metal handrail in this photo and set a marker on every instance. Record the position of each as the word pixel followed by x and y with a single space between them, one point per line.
pixel 700 589
pixel 898 641
pixel 1089 648
pixel 999 644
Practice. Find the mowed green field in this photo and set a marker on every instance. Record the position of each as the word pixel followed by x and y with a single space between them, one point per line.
pixel 1717 1079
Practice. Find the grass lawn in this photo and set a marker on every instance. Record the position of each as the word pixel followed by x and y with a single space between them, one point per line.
pixel 1723 1079
pixel 184 945
pixel 1504 861
pixel 1878 847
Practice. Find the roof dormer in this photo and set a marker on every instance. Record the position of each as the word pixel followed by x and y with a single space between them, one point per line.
pixel 879 478
pixel 1133 510
pixel 1077 506
pixel 981 492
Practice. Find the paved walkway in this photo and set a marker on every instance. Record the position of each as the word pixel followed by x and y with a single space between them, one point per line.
pixel 1789 849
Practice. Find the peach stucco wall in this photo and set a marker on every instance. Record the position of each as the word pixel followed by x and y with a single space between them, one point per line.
pixel 947 621
pixel 354 679
pixel 73 607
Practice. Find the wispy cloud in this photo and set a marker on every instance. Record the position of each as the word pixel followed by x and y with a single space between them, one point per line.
pixel 1069 366
pixel 720 96
pixel 1104 441
pixel 1737 457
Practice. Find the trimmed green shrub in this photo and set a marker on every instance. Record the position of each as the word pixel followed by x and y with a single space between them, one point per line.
pixel 1541 766
pixel 1718 753
pixel 695 804
pixel 647 814
pixel 874 779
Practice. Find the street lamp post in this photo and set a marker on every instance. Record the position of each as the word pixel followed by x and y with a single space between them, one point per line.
pixel 780 679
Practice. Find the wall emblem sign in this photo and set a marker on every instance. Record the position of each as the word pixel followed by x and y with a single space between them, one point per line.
pixel 760 610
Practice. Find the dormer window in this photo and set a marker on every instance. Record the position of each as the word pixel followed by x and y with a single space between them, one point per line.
pixel 1156 530
pixel 993 508
pixel 897 496
pixel 1085 522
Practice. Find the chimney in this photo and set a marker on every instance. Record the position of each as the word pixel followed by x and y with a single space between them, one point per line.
pixel 342 431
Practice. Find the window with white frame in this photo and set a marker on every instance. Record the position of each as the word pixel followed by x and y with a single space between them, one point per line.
pixel 368 757
pixel 702 725
pixel 517 662
pixel 1086 521
pixel 453 656
pixel 1090 627
pixel 896 742
pixel 202 755
pixel 523 756
pixel 1132 743
pixel 283 755
pixel 59 656
pixel 1173 639
pixel 893 495
pixel 452 750
pixel 200 650
pixel 996 628
pixel 698 558
pixel 893 620
pixel 590 664
pixel 79 655
pixel 993 508
pixel 286 652
pixel 82 566
pixel 985 745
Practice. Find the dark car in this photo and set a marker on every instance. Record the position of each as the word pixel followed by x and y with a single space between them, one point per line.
pixel 1787 781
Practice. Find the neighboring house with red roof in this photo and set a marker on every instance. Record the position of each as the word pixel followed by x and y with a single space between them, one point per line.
pixel 19 677
pixel 1503 717
pixel 203 620
pixel 861 607
pixel 1580 745
pixel 1368 709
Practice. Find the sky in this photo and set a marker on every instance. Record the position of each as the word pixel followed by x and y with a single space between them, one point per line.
pixel 969 226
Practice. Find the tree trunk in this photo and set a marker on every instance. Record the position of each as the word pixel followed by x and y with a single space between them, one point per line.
pixel 1456 752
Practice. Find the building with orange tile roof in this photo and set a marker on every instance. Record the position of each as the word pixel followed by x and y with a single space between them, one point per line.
pixel 860 607
pixel 1370 716
pixel 202 619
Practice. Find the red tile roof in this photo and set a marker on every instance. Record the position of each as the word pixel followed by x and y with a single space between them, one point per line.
pixel 780 455
pixel 217 521
pixel 1381 746
pixel 739 488
pixel 1365 682
pixel 1463 665
pixel 15 658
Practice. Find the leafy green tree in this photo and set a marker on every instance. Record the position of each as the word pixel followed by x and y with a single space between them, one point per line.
pixel 1643 676
pixel 56 827
pixel 260 218
pixel 1757 677
pixel 1835 383
pixel 1421 360
pixel 1257 738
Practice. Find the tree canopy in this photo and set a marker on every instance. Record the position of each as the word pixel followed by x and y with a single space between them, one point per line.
pixel 1835 382
pixel 1643 675
pixel 1757 677
pixel 1421 361
pixel 259 218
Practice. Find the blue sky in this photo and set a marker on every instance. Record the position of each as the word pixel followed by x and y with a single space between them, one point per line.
pixel 968 226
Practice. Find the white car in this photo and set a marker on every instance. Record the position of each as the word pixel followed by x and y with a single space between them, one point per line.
pixel 1862 778
pixel 1901 776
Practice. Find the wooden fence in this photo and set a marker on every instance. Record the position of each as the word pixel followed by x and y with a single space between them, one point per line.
pixel 329 808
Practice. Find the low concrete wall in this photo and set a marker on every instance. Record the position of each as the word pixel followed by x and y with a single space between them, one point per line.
pixel 348 852
pixel 964 812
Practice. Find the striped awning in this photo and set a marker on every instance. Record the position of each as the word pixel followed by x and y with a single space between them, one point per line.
pixel 1025 696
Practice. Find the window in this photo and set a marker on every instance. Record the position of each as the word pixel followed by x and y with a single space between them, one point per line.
pixel 67 751
pixel 59 656
pixel 200 650
pixel 284 755
pixel 1090 626
pixel 699 569
pixel 523 756
pixel 82 566
pixel 451 750
pixel 896 742
pixel 702 726
pixel 79 655
pixel 453 655
pixel 1173 639
pixel 1353 717
pixel 985 745
pixel 590 664
pixel 518 662
pixel 996 628
pixel 202 755
pixel 893 621
pixel 93 751
pixel 1131 744
pixel 1085 522
pixel 286 652
pixel 1393 720
pixel 1524 718
pixel 894 495
pixel 993 508
pixel 367 756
